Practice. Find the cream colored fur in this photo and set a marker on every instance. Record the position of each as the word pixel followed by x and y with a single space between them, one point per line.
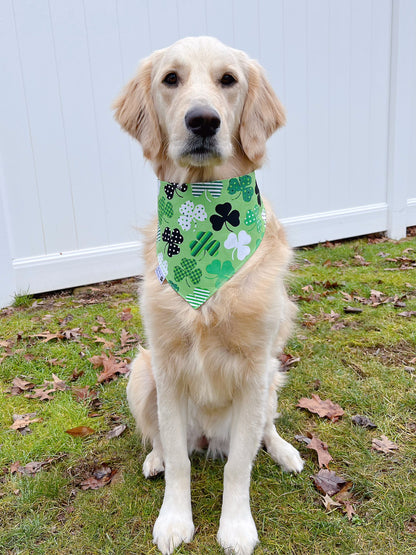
pixel 210 373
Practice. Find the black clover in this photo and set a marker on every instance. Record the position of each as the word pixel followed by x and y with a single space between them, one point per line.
pixel 257 191
pixel 170 189
pixel 173 239
pixel 226 214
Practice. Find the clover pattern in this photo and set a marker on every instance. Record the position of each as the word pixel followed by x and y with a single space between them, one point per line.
pixel 203 243
pixel 187 269
pixel 254 217
pixel 239 243
pixel 191 213
pixel 241 185
pixel 173 238
pixel 172 188
pixel 222 271
pixel 225 215
pixel 165 209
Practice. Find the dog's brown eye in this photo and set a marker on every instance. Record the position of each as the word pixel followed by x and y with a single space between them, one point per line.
pixel 171 79
pixel 227 79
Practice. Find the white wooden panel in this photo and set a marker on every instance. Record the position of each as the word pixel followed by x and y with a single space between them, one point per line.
pixel 163 23
pixel 296 101
pixel 86 180
pixel 220 20
pixel 7 281
pixel 16 146
pixel 246 28
pixel 402 100
pixel 192 21
pixel 107 80
pixel 38 63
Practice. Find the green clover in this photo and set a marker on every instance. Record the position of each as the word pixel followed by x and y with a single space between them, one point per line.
pixel 187 270
pixel 241 185
pixel 204 244
pixel 165 209
pixel 254 217
pixel 222 271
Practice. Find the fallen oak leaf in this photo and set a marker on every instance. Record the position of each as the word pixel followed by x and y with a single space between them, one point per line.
pixel 329 503
pixel 80 431
pixel 323 408
pixel 125 315
pixel 327 482
pixel 47 336
pixel 106 344
pixel 19 385
pixel 41 393
pixel 21 421
pixel 111 367
pixel 58 384
pixel 384 445
pixel 321 448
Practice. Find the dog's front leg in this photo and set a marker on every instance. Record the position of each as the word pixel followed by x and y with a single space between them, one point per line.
pixel 174 524
pixel 237 532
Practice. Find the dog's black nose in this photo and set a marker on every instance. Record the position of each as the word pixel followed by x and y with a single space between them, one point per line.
pixel 203 121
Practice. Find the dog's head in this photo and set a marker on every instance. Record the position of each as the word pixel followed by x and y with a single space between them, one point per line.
pixel 199 103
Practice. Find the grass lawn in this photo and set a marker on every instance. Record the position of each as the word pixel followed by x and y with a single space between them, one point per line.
pixel 364 361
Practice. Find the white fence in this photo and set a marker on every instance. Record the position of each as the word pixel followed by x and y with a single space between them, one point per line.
pixel 69 178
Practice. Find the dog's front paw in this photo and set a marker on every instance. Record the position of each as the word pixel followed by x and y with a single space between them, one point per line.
pixel 237 536
pixel 171 529
pixel 153 465
pixel 289 459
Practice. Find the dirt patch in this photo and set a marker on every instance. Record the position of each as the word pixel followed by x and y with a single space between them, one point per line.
pixel 393 355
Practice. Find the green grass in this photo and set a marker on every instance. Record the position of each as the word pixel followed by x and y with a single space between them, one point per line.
pixel 361 366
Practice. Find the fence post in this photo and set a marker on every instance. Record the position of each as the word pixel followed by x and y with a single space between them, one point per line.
pixel 401 90
pixel 7 282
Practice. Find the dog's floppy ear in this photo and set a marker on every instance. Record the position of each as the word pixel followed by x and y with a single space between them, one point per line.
pixel 135 112
pixel 262 114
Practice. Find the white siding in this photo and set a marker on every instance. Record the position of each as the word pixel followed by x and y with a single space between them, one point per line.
pixel 70 179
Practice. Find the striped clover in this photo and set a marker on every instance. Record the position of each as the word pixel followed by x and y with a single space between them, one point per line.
pixel 187 270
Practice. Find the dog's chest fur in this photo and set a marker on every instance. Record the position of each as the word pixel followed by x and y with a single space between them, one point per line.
pixel 212 352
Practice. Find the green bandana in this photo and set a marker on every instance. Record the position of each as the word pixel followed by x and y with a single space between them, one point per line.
pixel 206 232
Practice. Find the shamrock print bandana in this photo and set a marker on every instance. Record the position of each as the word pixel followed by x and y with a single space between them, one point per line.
pixel 206 232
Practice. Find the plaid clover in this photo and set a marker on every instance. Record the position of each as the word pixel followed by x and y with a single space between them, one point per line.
pixel 165 209
pixel 187 270
pixel 241 185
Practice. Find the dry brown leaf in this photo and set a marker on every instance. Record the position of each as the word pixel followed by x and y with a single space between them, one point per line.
pixel 328 482
pixel 106 344
pixel 325 408
pixel 384 445
pixel 287 360
pixel 100 478
pixel 80 431
pixel 321 448
pixel 19 385
pixel 111 367
pixel 22 421
pixel 115 432
pixel 329 503
pixel 125 315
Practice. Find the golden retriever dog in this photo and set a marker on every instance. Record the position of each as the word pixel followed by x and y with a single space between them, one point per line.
pixel 203 111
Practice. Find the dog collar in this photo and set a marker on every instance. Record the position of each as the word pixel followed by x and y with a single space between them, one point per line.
pixel 206 233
